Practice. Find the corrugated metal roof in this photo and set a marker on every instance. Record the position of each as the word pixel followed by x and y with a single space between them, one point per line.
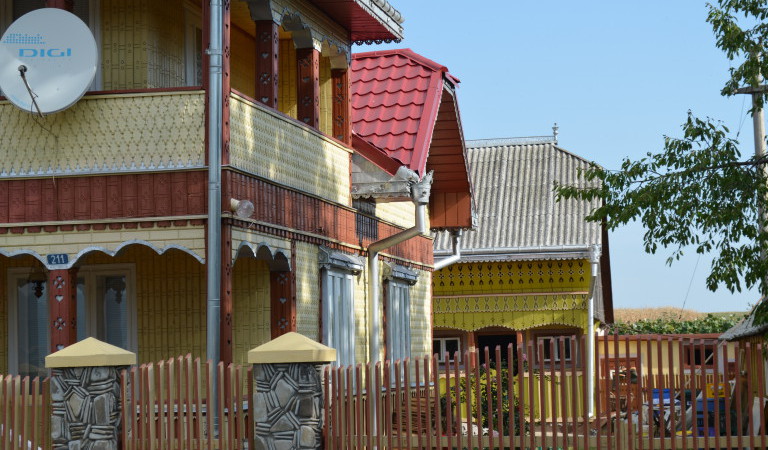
pixel 745 328
pixel 515 202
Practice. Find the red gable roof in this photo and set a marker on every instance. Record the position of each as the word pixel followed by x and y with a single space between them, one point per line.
pixel 404 112
pixel 395 100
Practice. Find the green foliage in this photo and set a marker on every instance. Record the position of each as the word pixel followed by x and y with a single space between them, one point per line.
pixel 668 325
pixel 700 192
pixel 509 402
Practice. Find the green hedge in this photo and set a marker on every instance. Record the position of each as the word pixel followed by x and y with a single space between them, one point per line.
pixel 666 325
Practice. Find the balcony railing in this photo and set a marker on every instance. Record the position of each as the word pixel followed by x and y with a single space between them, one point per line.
pixel 106 134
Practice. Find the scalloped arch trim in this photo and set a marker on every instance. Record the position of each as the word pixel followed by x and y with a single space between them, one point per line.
pixel 276 259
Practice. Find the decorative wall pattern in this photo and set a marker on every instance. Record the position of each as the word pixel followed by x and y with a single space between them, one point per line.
pixel 513 277
pixel 264 144
pixel 98 241
pixel 421 315
pixel 86 408
pixel 288 406
pixel 400 213
pixel 105 134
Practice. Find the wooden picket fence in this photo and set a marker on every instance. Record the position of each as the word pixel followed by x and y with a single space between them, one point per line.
pixel 520 400
pixel 25 413
pixel 168 406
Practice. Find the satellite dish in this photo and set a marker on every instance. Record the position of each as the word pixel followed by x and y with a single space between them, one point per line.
pixel 48 60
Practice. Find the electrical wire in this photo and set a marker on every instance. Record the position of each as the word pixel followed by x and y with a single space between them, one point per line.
pixel 689 287
pixel 32 95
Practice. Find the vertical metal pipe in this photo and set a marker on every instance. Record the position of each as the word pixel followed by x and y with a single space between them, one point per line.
pixel 594 259
pixel 214 181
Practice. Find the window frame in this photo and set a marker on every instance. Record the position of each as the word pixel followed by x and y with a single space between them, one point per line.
pixel 571 361
pixel 397 327
pixel 339 315
pixel 443 341
pixel 91 323
pixel 192 22
pixel 13 275
pixel 690 349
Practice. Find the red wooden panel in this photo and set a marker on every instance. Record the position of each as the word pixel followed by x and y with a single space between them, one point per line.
pixel 227 307
pixel 98 197
pixel 179 195
pixel 308 86
pixel 146 200
pixel 131 196
pixel 17 210
pixel 282 304
pixel 82 199
pixel 197 184
pixel 66 198
pixel 437 210
pixel 4 201
pixel 267 55
pixel 162 194
pixel 61 4
pixel 49 201
pixel 114 197
pixel 62 307
pixel 342 107
pixel 33 197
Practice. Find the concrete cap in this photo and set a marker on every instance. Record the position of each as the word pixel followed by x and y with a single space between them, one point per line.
pixel 90 352
pixel 291 348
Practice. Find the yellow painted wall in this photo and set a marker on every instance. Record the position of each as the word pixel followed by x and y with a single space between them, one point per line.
pixel 421 316
pixel 399 213
pixel 308 291
pixel 243 61
pixel 142 44
pixel 170 301
pixel 326 97
pixel 286 99
pixel 251 322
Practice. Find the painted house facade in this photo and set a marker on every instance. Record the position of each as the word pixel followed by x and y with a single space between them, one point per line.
pixel 530 269
pixel 104 214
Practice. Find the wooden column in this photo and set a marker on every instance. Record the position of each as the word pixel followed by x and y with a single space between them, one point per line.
pixel 342 128
pixel 227 301
pixel 226 83
pixel 282 303
pixel 308 86
pixel 68 5
pixel 267 58
pixel 62 307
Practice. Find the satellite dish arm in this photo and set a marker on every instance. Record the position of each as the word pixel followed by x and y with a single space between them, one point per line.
pixel 23 73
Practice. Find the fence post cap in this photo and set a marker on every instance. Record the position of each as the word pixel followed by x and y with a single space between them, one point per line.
pixel 291 348
pixel 90 352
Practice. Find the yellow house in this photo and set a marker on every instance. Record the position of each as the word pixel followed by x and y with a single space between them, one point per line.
pixel 108 208
pixel 532 267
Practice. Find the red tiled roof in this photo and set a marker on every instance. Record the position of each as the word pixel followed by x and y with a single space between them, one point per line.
pixel 396 96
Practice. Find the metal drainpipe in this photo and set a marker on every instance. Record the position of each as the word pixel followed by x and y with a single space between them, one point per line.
pixel 456 255
pixel 420 197
pixel 214 182
pixel 594 259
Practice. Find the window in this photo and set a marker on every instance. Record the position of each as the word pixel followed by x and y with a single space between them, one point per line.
pixel 452 345
pixel 697 355
pixel 106 307
pixel 397 327
pixel 338 321
pixel 549 342
pixel 193 46
pixel 28 336
pixel 106 310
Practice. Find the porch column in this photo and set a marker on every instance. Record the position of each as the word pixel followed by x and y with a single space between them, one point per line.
pixel 68 5
pixel 62 307
pixel 342 128
pixel 267 58
pixel 282 303
pixel 308 85
pixel 227 301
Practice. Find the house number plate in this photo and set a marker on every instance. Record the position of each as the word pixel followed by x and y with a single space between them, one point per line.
pixel 58 258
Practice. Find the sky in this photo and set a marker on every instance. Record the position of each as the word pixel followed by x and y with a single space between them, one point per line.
pixel 616 76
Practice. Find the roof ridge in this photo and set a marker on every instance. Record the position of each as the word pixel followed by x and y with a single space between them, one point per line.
pixel 404 52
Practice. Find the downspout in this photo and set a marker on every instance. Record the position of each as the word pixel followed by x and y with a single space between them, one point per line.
pixel 213 257
pixel 453 257
pixel 420 196
pixel 594 259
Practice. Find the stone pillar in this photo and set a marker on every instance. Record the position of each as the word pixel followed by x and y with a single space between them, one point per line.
pixel 288 393
pixel 86 396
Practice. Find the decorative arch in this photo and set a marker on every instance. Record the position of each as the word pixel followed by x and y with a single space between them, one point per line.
pixel 276 259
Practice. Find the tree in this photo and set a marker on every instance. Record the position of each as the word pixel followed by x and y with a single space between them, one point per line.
pixel 701 191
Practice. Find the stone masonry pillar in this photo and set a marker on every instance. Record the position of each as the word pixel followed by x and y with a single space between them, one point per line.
pixel 86 395
pixel 288 394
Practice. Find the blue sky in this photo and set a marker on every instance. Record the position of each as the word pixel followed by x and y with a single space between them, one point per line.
pixel 615 76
